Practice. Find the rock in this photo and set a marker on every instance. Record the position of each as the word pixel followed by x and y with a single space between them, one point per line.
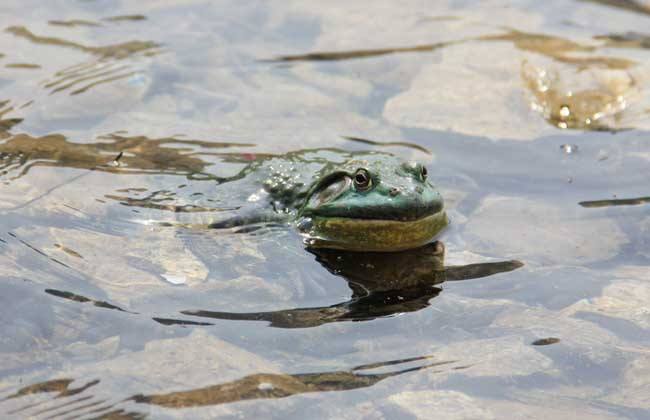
pixel 634 391
pixel 538 232
pixel 508 355
pixel 451 405
pixel 485 100
pixel 624 299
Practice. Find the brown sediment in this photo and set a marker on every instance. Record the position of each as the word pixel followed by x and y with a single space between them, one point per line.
pixel 22 66
pixel 125 18
pixel 103 81
pixel 141 154
pixel 60 386
pixel 557 49
pixel 352 54
pixel 83 75
pixel 73 22
pixel 69 251
pixel 551 46
pixel 117 51
pixel 6 123
pixel 251 387
pixel 626 40
pixel 271 385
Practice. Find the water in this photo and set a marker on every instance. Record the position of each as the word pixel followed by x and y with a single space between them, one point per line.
pixel 119 119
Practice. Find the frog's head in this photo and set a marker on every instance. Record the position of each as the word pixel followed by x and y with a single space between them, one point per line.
pixel 374 202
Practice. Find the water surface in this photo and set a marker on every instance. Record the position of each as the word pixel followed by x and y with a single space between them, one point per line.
pixel 123 125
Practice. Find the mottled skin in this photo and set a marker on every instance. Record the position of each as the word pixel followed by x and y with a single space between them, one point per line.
pixel 366 201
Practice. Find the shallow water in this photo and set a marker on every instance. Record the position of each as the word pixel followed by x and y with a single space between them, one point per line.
pixel 120 122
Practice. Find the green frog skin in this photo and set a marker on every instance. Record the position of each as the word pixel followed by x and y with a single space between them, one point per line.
pixel 364 201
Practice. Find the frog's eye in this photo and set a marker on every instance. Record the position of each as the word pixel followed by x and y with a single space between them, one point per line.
pixel 423 173
pixel 362 180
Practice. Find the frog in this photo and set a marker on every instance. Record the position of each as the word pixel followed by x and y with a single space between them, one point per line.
pixel 355 201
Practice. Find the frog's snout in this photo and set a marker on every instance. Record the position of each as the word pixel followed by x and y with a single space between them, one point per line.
pixel 394 191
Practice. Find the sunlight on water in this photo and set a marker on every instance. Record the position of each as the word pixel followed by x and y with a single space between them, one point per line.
pixel 156 160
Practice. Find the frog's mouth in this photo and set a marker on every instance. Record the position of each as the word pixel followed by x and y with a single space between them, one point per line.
pixel 373 235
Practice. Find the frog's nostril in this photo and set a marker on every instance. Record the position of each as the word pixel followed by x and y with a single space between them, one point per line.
pixel 393 192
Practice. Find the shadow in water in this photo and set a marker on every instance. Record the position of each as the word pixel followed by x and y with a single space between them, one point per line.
pixel 615 202
pixel 251 387
pixel 382 284
pixel 82 299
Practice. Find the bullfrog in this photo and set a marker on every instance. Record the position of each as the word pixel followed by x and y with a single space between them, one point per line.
pixel 363 201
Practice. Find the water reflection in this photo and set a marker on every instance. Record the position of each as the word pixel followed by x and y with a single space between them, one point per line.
pixel 626 40
pixel 7 123
pixel 615 202
pixel 361 53
pixel 389 143
pixel 22 66
pixel 169 155
pixel 82 299
pixel 251 387
pixel 62 389
pixel 125 18
pixel 546 341
pixel 558 49
pixel 588 102
pixel 73 22
pixel 60 386
pixel 550 46
pixel 268 385
pixel 629 5
pixel 382 284
pixel 79 78
pixel 116 51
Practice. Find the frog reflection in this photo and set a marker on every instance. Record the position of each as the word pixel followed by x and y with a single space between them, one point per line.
pixel 382 284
